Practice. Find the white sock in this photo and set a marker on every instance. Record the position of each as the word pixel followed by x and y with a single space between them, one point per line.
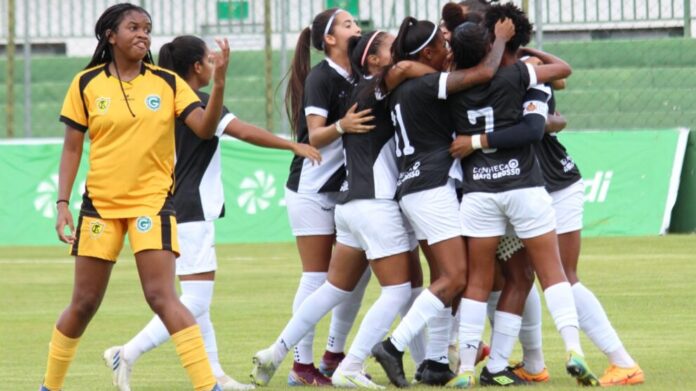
pixel 595 323
pixel 379 318
pixel 438 336
pixel 491 305
pixel 312 309
pixel 471 325
pixel 309 282
pixel 417 346
pixel 344 314
pixel 208 334
pixel 505 333
pixel 424 307
pixel 530 334
pixel 561 305
pixel 196 297
pixel 454 329
pixel 351 364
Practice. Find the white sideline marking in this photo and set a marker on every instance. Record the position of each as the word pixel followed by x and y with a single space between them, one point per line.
pixel 65 261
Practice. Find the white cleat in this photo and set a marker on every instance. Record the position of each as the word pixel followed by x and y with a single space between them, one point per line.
pixel 264 367
pixel 120 369
pixel 345 379
pixel 227 383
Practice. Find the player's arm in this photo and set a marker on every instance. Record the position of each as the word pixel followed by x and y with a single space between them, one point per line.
pixel 404 70
pixel 69 164
pixel 263 138
pixel 483 72
pixel 204 122
pixel 553 67
pixel 321 134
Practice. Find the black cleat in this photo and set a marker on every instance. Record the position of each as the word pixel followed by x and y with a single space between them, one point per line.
pixel 436 373
pixel 504 378
pixel 391 361
pixel 419 372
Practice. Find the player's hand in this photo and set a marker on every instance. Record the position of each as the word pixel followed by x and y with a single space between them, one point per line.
pixel 220 61
pixel 65 219
pixel 504 29
pixel 307 151
pixel 357 122
pixel 461 147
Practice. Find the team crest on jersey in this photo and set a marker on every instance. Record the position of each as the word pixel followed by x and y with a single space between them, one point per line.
pixel 143 224
pixel 96 228
pixel 153 102
pixel 103 104
pixel 531 107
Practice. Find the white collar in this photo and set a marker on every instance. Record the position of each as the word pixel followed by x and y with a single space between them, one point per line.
pixel 339 69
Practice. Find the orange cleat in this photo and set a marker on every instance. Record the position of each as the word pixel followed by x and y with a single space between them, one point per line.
pixel 617 376
pixel 541 377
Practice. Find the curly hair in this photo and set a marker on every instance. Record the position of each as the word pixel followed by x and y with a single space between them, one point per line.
pixel 523 28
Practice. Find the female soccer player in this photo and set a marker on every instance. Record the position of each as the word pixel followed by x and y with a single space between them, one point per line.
pixel 317 105
pixel 198 201
pixel 129 107
pixel 425 186
pixel 504 186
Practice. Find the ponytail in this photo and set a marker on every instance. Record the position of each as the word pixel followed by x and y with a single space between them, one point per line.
pixel 181 54
pixel 298 73
pixel 414 35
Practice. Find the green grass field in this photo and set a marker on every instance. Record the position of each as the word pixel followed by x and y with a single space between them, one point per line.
pixel 646 285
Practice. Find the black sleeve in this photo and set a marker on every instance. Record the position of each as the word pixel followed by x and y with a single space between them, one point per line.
pixel 531 128
pixel 317 93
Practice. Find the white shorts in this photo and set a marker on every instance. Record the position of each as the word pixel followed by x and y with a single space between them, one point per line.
pixel 527 210
pixel 311 213
pixel 568 204
pixel 374 226
pixel 412 240
pixel 196 248
pixel 433 213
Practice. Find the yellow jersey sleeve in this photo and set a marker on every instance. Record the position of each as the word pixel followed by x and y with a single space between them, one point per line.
pixel 185 99
pixel 74 111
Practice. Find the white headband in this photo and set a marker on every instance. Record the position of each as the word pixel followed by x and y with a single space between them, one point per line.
pixel 330 22
pixel 427 41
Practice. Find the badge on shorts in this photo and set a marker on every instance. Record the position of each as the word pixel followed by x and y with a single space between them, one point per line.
pixel 143 224
pixel 96 228
pixel 152 102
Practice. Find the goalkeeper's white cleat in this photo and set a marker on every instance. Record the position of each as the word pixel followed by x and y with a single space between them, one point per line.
pixel 120 369
pixel 346 379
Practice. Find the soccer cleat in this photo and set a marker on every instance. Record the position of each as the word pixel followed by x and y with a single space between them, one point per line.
pixel 541 377
pixel 504 378
pixel 329 362
pixel 391 361
pixel 617 376
pixel 307 375
pixel 120 369
pixel 419 372
pixel 227 383
pixel 43 388
pixel 264 367
pixel 216 388
pixel 577 367
pixel 463 380
pixel 436 373
pixel 345 379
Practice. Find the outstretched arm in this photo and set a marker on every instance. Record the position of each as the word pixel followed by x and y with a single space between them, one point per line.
pixel 263 138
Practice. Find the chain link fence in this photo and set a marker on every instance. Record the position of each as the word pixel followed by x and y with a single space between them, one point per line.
pixel 634 61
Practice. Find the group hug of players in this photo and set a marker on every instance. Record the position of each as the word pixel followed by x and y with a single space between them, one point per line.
pixel 442 136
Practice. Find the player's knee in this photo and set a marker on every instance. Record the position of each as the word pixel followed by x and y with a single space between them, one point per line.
pixel 158 299
pixel 85 306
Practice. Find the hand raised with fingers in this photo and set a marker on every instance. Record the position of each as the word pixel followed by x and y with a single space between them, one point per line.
pixel 505 29
pixel 221 60
pixel 357 122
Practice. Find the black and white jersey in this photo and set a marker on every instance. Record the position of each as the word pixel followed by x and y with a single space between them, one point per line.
pixel 557 166
pixel 198 194
pixel 423 131
pixel 369 157
pixel 486 108
pixel 327 92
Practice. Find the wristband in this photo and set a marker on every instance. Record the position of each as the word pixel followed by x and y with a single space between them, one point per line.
pixel 339 129
pixel 61 200
pixel 476 141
